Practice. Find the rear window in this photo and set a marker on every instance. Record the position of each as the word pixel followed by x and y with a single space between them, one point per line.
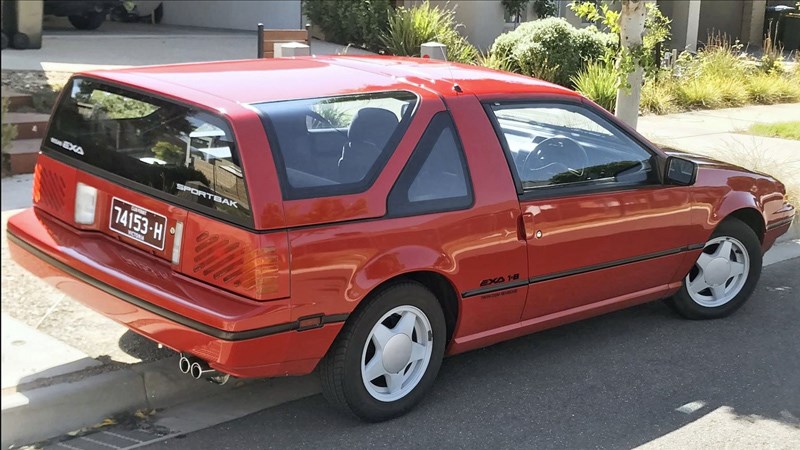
pixel 170 150
pixel 335 145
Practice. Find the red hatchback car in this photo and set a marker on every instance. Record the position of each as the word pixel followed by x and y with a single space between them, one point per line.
pixel 371 215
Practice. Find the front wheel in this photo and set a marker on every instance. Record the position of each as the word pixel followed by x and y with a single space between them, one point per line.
pixel 387 355
pixel 725 274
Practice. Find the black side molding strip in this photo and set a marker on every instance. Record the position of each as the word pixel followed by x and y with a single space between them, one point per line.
pixel 165 313
pixel 780 223
pixel 489 289
pixel 580 270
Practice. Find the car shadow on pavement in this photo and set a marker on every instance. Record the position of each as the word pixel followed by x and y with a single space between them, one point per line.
pixel 617 381
pixel 142 348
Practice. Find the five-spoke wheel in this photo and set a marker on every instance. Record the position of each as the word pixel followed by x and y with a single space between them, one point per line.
pixel 397 353
pixel 724 275
pixel 388 354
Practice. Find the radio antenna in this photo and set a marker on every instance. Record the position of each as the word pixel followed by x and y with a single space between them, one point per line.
pixel 456 87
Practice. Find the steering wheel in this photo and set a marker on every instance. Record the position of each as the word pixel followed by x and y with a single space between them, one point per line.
pixel 554 156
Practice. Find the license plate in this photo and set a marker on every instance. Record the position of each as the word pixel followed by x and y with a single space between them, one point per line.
pixel 137 223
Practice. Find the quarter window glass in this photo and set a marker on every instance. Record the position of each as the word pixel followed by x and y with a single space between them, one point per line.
pixel 436 176
pixel 336 145
pixel 559 144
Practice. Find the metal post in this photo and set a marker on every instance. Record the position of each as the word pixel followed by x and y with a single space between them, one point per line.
pixel 260 40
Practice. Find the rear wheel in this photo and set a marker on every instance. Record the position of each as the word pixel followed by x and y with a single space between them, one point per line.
pixel 725 274
pixel 388 354
pixel 88 20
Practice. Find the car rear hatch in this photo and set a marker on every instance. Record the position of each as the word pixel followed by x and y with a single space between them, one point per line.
pixel 160 177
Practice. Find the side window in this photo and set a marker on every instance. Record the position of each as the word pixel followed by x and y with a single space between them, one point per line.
pixel 562 144
pixel 436 177
pixel 335 145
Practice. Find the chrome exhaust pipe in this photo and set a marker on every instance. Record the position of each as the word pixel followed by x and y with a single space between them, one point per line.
pixel 200 370
pixel 185 364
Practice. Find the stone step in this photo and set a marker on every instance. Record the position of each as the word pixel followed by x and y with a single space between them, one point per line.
pixel 29 125
pixel 17 100
pixel 22 155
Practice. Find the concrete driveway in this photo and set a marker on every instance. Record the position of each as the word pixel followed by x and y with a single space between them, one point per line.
pixel 114 44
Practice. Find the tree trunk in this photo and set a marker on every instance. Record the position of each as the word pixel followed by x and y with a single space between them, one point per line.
pixel 631 22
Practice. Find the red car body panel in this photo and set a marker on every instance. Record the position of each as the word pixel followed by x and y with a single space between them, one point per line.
pixel 560 258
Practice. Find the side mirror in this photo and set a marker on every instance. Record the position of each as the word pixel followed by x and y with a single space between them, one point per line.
pixel 681 172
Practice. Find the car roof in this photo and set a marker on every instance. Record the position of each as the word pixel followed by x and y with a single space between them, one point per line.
pixel 278 79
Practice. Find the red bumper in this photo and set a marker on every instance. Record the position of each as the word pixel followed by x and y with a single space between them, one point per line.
pixel 242 337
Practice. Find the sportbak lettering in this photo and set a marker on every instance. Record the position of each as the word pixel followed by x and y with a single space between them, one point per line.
pixel 214 197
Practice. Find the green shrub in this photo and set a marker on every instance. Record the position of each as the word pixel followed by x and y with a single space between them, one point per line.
pixel 409 28
pixel 494 61
pixel 698 93
pixel 360 23
pixel 599 82
pixel 551 48
pixel 763 89
pixel 658 96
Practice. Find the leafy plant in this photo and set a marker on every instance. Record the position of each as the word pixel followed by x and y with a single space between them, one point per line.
pixel 494 61
pixel 551 49
pixel 360 23
pixel 168 152
pixel 409 28
pixel 658 96
pixel 544 8
pixel 515 8
pixel 599 82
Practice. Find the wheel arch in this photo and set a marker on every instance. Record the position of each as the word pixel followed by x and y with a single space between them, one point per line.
pixel 752 218
pixel 441 287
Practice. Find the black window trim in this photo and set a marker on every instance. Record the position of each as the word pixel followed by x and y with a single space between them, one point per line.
pixel 601 185
pixel 245 223
pixel 289 192
pixel 414 164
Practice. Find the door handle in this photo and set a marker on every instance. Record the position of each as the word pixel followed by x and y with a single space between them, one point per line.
pixel 527 226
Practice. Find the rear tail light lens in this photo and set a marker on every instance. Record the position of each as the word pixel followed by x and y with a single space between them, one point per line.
pixel 85 204
pixel 176 243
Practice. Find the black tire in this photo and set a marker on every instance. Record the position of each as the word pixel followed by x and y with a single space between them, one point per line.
pixel 682 301
pixel 340 370
pixel 87 21
pixel 20 41
pixel 4 41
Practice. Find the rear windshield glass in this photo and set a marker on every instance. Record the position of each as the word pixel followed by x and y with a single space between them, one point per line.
pixel 171 149
pixel 335 145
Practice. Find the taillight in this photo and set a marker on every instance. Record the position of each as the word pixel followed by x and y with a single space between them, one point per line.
pixel 176 243
pixel 37 184
pixel 85 204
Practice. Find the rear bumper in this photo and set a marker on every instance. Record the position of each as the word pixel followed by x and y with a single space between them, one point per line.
pixel 146 298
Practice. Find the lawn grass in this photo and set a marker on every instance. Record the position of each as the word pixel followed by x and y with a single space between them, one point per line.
pixel 783 130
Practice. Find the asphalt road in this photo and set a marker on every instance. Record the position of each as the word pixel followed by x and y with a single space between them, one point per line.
pixel 615 381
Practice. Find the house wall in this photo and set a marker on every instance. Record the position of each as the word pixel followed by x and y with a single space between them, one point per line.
pixel 721 16
pixel 234 14
pixel 678 12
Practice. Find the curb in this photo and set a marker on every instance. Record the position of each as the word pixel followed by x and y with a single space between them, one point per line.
pixel 42 413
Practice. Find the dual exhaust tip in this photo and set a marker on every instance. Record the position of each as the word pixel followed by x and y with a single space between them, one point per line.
pixel 199 369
